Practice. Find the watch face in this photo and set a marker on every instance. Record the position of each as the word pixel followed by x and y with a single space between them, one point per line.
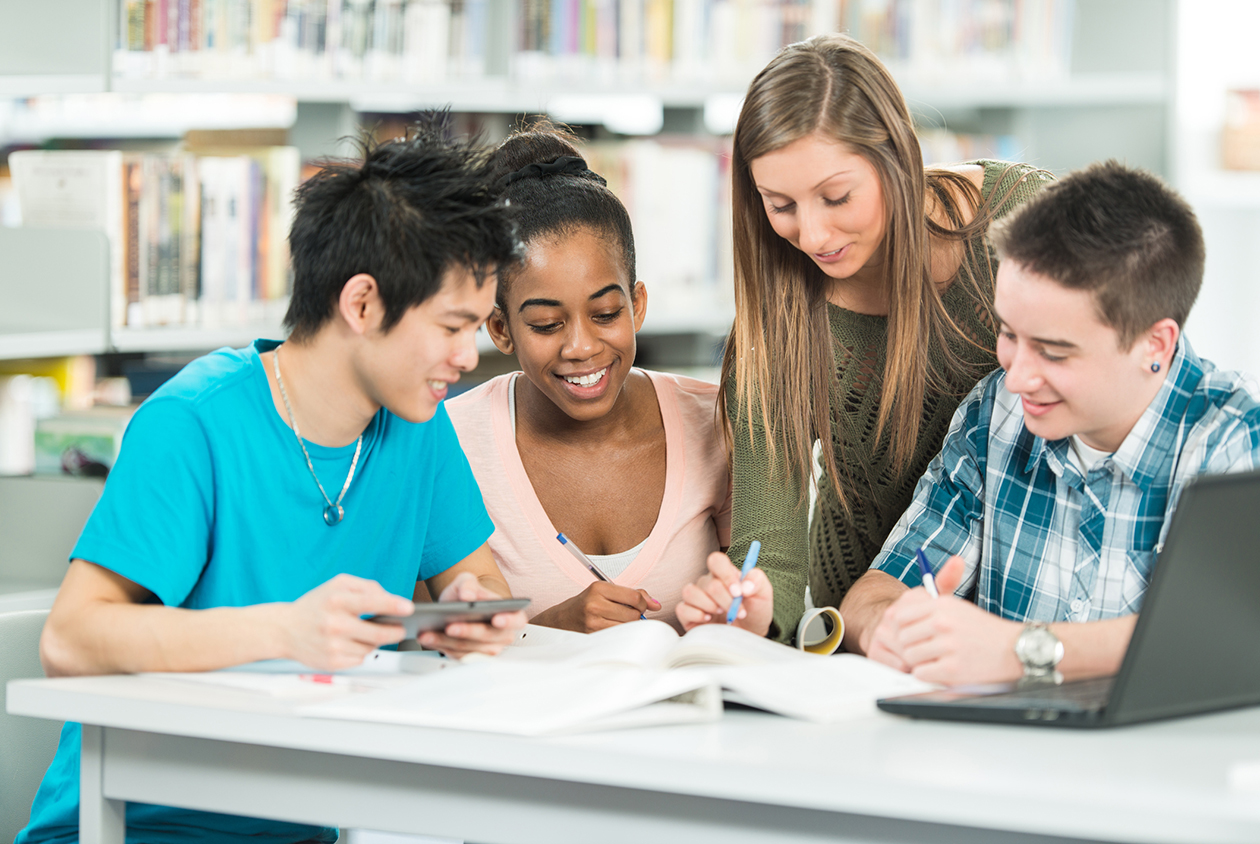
pixel 1038 648
pixel 1041 648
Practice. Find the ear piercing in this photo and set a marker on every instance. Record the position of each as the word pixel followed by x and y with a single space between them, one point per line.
pixel 1155 366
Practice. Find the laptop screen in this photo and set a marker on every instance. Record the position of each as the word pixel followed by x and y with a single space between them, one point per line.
pixel 1196 646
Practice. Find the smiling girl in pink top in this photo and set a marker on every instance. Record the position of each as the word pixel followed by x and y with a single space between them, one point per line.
pixel 628 464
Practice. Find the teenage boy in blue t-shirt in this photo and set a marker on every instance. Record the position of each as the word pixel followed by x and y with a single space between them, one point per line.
pixel 1055 485
pixel 224 536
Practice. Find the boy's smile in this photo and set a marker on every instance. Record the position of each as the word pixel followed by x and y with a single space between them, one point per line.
pixel 1067 366
pixel 413 365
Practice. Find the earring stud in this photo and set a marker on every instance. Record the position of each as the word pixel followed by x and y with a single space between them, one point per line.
pixel 1155 366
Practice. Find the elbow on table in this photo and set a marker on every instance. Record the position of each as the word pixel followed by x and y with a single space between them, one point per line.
pixel 58 652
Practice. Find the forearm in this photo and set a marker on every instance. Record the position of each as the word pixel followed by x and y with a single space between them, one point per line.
pixel 1095 648
pixel 113 638
pixel 863 608
pixel 552 617
pixel 496 584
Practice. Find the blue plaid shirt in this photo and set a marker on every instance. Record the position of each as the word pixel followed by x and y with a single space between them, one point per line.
pixel 1019 510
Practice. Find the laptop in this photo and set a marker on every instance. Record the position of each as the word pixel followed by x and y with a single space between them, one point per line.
pixel 1196 645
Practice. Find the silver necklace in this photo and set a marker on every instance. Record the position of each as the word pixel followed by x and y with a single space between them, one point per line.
pixel 333 513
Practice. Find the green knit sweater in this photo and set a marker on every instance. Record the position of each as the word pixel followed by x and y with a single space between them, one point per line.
pixel 840 546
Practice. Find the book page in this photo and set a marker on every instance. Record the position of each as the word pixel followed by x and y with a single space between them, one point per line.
pixel 725 644
pixel 642 644
pixel 534 699
pixel 820 689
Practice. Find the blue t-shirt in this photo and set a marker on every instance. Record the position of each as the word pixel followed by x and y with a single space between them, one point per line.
pixel 211 504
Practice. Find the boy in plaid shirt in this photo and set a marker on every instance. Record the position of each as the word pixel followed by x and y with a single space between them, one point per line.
pixel 1055 484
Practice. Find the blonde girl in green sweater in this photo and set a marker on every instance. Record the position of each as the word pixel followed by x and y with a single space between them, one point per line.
pixel 863 292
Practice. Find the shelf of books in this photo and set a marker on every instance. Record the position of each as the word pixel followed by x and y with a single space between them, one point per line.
pixel 195 248
pixel 508 55
pixel 195 252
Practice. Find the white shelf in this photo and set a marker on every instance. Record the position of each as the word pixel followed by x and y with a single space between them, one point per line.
pixel 45 344
pixel 499 94
pixel 140 115
pixel 1080 90
pixel 490 94
pixel 186 339
pixel 31 86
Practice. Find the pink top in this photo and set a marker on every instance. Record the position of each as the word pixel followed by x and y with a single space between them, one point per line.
pixel 694 517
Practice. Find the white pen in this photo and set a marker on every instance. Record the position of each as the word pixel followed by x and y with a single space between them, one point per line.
pixel 582 558
pixel 586 561
pixel 929 582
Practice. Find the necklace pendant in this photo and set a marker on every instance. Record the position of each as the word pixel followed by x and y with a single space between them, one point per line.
pixel 333 514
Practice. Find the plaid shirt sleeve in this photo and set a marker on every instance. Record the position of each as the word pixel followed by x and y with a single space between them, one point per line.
pixel 946 515
pixel 1230 442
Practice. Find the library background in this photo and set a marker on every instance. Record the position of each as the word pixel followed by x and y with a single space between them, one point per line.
pixel 148 148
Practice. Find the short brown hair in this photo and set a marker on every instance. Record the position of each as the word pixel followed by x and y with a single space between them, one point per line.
pixel 1118 232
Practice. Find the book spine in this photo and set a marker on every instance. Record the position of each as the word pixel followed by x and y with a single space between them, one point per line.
pixel 190 242
pixel 137 261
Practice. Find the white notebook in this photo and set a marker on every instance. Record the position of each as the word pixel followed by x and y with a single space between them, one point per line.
pixel 636 674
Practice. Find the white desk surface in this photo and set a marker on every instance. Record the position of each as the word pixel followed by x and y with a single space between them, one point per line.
pixel 774 779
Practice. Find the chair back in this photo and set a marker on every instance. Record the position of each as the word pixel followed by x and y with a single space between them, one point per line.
pixel 27 745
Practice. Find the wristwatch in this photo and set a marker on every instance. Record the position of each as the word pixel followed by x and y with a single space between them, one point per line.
pixel 1039 650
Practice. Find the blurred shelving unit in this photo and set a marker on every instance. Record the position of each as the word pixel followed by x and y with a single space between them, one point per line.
pixel 1109 92
pixel 1216 54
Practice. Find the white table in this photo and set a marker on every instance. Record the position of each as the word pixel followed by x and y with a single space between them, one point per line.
pixel 749 778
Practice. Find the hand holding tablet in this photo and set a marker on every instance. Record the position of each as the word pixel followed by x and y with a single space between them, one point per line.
pixel 438 615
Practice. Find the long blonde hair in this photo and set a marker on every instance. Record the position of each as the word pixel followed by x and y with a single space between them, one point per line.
pixel 833 85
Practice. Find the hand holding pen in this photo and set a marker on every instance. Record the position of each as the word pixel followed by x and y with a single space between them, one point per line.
pixel 747 598
pixel 750 563
pixel 925 573
pixel 601 604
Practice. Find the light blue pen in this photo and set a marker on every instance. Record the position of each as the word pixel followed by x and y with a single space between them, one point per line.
pixel 929 582
pixel 750 563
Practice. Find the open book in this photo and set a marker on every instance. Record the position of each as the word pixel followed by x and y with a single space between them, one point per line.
pixel 636 674
pixel 651 644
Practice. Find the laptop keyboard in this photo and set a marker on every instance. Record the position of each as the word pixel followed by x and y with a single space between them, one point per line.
pixel 1082 695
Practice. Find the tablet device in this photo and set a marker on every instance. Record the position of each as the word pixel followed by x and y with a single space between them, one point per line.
pixel 437 616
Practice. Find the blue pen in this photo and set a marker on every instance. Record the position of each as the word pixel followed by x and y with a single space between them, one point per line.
pixel 586 561
pixel 750 562
pixel 929 582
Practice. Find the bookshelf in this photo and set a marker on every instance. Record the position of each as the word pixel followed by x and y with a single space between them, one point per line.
pixel 1110 95
pixel 55 48
pixel 53 284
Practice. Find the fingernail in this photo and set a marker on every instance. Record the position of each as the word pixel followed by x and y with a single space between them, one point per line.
pixel 735 590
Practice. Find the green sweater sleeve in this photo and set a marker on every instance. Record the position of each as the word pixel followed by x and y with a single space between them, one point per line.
pixel 765 507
